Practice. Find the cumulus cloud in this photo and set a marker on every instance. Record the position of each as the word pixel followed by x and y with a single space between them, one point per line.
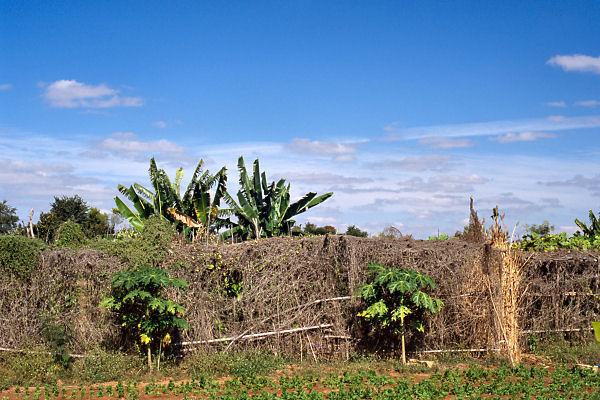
pixel 557 104
pixel 588 103
pixel 74 94
pixel 160 124
pixel 577 63
pixel 5 87
pixel 339 151
pixel 523 137
pixel 446 143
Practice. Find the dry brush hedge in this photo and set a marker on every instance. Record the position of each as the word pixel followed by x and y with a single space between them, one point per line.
pixel 282 281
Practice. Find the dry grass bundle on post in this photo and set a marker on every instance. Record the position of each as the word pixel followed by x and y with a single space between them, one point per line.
pixel 510 279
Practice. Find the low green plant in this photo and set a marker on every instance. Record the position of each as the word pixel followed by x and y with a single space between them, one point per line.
pixel 397 299
pixel 439 236
pixel 102 366
pixel 19 255
pixel 58 338
pixel 34 367
pixel 145 316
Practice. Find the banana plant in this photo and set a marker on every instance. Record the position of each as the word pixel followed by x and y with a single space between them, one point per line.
pixel 263 209
pixel 593 229
pixel 195 213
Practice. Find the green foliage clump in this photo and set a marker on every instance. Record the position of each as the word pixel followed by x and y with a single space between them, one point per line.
pixel 552 242
pixel 8 218
pixel 354 230
pixel 70 234
pixel 103 366
pixel 137 249
pixel 397 299
pixel 147 318
pixel 19 255
pixel 587 238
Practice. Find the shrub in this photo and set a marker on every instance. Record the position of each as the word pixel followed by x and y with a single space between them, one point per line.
pixel 19 255
pixel 397 299
pixel 149 247
pixel 70 234
pixel 146 318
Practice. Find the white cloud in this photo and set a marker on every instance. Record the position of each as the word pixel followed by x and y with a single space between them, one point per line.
pixel 160 124
pixel 523 137
pixel 414 163
pixel 446 143
pixel 74 94
pixel 588 103
pixel 557 104
pixel 576 62
pixel 549 124
pixel 322 178
pixel 128 143
pixel 443 183
pixel 5 87
pixel 339 151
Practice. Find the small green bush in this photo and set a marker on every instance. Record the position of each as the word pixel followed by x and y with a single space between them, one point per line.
pixel 103 366
pixel 70 234
pixel 150 247
pixel 19 255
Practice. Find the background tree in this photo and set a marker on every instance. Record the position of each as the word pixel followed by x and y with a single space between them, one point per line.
pixel 97 224
pixel 8 218
pixel 63 209
pixel 541 230
pixel 312 229
pixel 75 209
pixel 390 231
pixel 354 230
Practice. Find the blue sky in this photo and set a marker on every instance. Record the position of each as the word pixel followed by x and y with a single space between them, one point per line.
pixel 403 109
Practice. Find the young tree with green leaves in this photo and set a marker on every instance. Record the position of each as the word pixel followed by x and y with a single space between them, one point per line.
pixel 397 299
pixel 145 316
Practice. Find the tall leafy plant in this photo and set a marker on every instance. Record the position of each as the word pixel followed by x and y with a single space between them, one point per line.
pixel 142 311
pixel 397 300
pixel 264 209
pixel 194 212
pixel 592 230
